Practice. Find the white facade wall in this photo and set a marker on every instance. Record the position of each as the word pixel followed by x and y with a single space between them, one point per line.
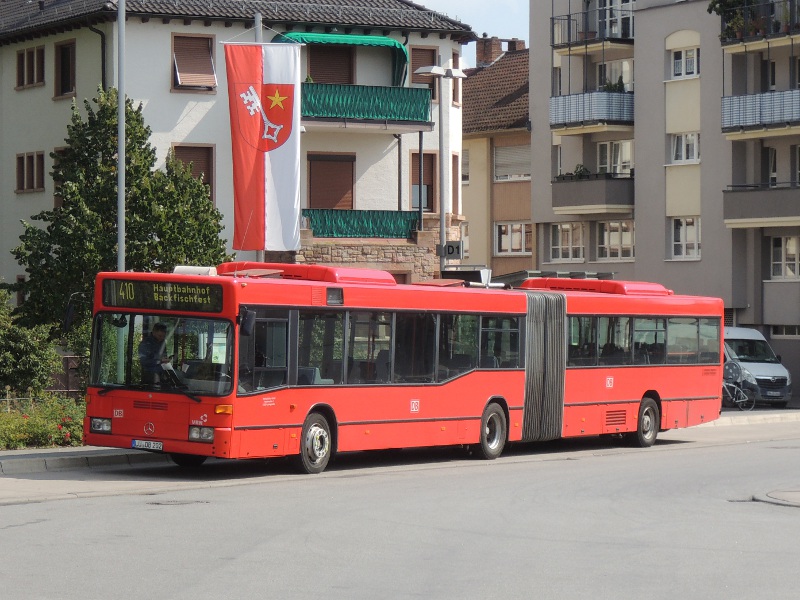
pixel 30 120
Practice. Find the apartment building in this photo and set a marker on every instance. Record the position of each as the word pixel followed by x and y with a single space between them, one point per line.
pixel 673 152
pixel 496 153
pixel 366 115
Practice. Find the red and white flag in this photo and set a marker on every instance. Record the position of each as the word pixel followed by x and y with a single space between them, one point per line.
pixel 264 98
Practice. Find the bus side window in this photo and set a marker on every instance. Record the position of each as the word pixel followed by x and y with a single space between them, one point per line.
pixel 458 345
pixel 320 336
pixel 263 355
pixel 414 348
pixel 582 350
pixel 709 341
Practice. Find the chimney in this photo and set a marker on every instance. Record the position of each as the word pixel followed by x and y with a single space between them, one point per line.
pixel 489 49
pixel 514 45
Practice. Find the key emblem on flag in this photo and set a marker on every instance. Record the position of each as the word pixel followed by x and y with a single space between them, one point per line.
pixel 264 112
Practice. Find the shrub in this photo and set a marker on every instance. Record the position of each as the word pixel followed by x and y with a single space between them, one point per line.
pixel 50 421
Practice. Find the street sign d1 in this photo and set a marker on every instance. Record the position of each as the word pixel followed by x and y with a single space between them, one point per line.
pixel 452 250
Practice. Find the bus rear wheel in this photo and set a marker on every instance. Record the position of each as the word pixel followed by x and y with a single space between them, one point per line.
pixel 494 429
pixel 315 444
pixel 187 461
pixel 648 424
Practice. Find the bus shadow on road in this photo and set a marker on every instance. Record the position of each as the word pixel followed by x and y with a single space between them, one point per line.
pixel 358 462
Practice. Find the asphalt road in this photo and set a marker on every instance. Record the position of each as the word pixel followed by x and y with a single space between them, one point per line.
pixel 688 518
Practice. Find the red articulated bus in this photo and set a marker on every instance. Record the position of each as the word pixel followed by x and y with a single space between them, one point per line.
pixel 257 360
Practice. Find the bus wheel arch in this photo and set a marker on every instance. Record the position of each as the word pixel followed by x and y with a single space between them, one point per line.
pixel 493 428
pixel 317 440
pixel 648 422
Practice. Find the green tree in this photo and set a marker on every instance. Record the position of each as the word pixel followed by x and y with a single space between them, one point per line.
pixel 27 358
pixel 725 8
pixel 169 217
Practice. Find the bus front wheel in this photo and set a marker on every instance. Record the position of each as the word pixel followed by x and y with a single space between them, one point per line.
pixel 648 424
pixel 494 428
pixel 315 445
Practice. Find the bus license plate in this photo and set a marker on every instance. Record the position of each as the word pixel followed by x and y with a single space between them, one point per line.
pixel 773 393
pixel 147 445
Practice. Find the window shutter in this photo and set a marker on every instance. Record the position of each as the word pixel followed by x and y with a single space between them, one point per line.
pixel 465 166
pixel 512 162
pixel 427 169
pixel 331 64
pixel 423 57
pixel 194 65
pixel 331 181
pixel 201 159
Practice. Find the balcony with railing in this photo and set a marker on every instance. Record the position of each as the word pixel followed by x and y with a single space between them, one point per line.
pixel 760 204
pixel 601 26
pixel 769 114
pixel 332 223
pixel 593 110
pixel 768 23
pixel 391 107
pixel 599 193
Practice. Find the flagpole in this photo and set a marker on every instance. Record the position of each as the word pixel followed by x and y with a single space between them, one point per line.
pixel 259 40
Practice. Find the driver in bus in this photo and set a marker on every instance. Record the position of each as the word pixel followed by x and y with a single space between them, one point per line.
pixel 152 354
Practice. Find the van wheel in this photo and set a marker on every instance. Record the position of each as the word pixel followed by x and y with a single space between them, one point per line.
pixel 315 444
pixel 494 429
pixel 648 424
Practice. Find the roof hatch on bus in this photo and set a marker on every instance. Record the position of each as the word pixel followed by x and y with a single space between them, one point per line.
pixel 308 272
pixel 603 286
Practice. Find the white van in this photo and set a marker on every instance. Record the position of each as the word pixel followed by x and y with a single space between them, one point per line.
pixel 764 375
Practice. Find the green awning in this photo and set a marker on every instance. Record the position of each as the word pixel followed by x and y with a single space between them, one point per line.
pixel 399 52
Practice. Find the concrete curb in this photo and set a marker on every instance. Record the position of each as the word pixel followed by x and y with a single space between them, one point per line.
pixel 68 459
pixel 789 498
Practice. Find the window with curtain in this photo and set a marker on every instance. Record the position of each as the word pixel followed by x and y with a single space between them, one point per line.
pixel 685 238
pixel 615 240
pixel 566 241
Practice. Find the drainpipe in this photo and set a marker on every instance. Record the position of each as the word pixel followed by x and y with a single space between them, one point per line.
pixel 399 139
pixel 102 54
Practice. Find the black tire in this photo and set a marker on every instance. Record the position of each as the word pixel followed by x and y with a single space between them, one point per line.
pixel 188 461
pixel 316 444
pixel 494 431
pixel 648 424
pixel 743 401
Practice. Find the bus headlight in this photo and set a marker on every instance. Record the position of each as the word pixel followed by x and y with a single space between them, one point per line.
pixel 201 434
pixel 97 425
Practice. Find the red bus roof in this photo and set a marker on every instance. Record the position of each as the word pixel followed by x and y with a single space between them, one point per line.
pixel 369 289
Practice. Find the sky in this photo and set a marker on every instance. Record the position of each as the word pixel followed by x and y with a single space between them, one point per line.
pixel 501 18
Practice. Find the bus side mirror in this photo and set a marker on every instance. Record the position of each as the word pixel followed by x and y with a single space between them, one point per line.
pixel 69 312
pixel 247 320
pixel 69 317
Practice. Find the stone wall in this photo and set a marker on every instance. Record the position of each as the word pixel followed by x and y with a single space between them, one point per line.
pixel 413 260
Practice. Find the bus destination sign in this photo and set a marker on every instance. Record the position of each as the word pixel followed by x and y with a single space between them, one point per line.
pixel 162 295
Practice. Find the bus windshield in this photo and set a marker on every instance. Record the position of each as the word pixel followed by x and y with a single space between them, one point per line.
pixel 184 355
